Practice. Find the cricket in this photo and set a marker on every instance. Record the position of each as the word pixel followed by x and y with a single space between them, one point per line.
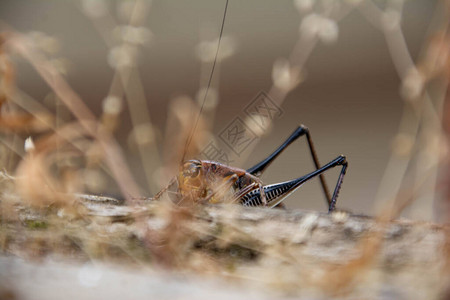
pixel 203 181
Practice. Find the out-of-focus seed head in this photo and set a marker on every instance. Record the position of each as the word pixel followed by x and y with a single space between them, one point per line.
pixel 412 85
pixel 212 99
pixel 142 134
pixel 127 9
pixel 122 56
pixel 133 34
pixel 284 76
pixel 180 106
pixel 310 26
pixel 317 26
pixel 94 8
pixel 206 50
pixel 112 105
pixel 329 31
pixel 29 144
pixel 304 5
pixel 391 19
pixel 260 128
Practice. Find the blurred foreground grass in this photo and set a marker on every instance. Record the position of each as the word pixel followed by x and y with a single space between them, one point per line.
pixel 253 250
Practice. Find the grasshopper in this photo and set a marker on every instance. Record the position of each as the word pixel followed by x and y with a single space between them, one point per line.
pixel 211 182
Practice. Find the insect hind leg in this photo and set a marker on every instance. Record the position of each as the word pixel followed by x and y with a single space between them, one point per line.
pixel 301 130
pixel 280 191
pixel 337 189
pixel 339 161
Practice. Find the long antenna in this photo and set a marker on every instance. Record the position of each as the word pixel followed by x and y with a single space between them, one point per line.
pixel 188 141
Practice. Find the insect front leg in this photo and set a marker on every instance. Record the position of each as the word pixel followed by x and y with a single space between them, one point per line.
pixel 228 182
pixel 260 186
pixel 263 193
pixel 163 190
pixel 251 187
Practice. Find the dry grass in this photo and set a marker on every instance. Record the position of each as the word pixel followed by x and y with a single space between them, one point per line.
pixel 42 215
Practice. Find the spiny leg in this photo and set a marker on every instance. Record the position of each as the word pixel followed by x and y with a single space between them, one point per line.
pixel 339 161
pixel 332 205
pixel 259 168
pixel 278 192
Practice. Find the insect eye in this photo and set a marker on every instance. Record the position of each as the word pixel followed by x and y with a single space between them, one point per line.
pixel 191 169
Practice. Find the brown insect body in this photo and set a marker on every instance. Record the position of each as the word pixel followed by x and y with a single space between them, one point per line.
pixel 213 182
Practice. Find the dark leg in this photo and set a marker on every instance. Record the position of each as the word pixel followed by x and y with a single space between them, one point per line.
pixel 279 191
pixel 276 193
pixel 259 168
pixel 332 205
pixel 339 161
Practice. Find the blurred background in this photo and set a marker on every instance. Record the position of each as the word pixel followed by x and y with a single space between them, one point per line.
pixel 349 92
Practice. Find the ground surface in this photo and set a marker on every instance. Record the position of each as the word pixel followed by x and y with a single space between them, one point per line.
pixel 161 251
